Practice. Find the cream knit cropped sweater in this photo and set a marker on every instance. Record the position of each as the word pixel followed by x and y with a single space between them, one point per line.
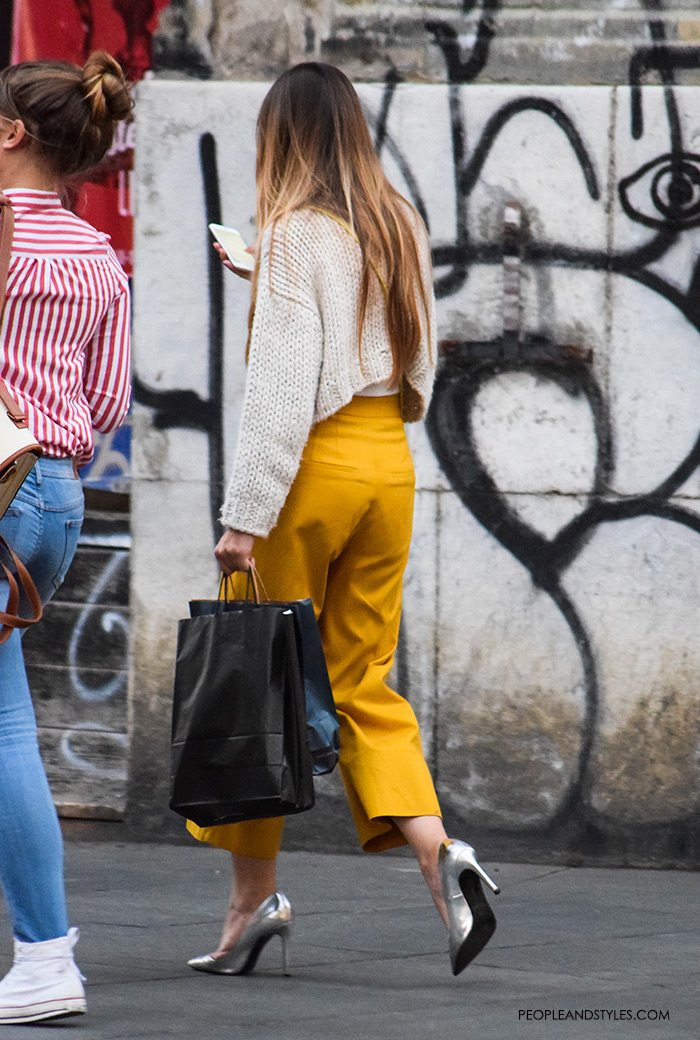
pixel 304 363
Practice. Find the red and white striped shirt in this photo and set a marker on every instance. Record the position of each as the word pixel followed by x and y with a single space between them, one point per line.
pixel 64 338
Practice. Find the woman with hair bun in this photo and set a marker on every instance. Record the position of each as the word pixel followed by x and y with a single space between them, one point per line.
pixel 64 358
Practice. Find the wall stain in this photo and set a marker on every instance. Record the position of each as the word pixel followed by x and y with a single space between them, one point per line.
pixel 649 767
pixel 513 762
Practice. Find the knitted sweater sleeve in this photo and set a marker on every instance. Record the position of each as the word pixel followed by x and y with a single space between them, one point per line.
pixel 284 364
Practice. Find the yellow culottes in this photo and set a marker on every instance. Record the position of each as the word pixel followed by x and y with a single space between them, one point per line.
pixel 343 538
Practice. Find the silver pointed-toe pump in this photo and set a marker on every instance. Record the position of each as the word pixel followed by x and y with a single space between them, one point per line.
pixel 471 919
pixel 273 917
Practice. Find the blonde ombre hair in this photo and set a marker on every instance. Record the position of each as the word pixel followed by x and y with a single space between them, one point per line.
pixel 314 151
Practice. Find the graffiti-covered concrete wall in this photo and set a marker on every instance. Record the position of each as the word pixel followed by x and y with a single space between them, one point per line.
pixel 549 634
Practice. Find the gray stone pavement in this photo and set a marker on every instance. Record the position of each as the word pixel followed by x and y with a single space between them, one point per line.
pixel 369 957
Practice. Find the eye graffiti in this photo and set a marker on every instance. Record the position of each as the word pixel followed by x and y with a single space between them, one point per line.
pixel 672 184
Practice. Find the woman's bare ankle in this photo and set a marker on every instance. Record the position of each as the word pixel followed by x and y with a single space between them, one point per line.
pixel 238 918
pixel 235 924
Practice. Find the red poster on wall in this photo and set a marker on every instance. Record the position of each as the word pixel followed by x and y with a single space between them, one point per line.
pixel 68 30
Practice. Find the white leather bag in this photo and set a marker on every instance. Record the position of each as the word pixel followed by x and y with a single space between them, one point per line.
pixel 18 448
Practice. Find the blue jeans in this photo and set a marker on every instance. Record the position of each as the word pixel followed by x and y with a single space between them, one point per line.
pixel 42 526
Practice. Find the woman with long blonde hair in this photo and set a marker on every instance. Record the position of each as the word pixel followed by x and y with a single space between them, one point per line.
pixel 341 353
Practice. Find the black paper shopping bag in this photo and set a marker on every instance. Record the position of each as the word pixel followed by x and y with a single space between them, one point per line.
pixel 239 737
pixel 321 716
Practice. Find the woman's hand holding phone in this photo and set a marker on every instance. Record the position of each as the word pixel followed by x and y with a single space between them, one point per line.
pixel 233 251
pixel 240 271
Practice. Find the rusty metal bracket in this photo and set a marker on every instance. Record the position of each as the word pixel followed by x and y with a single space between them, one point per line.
pixel 515 348
pixel 512 226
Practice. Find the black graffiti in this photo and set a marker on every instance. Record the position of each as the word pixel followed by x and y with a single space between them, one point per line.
pixel 674 197
pixel 673 189
pixel 462 255
pixel 459 69
pixel 384 141
pixel 666 61
pixel 185 409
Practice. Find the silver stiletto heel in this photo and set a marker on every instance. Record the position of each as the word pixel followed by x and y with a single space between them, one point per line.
pixel 284 936
pixel 273 917
pixel 471 919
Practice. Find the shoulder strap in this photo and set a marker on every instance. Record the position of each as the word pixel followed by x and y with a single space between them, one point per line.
pixel 7 230
pixel 9 618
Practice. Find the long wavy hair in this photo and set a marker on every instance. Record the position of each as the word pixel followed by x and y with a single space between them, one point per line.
pixel 314 151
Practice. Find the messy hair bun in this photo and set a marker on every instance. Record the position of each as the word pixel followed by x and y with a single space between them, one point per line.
pixel 105 89
pixel 69 113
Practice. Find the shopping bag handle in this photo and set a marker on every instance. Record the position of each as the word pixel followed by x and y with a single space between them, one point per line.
pixel 253 583
pixel 9 618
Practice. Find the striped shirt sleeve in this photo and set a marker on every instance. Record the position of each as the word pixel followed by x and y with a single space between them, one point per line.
pixel 106 375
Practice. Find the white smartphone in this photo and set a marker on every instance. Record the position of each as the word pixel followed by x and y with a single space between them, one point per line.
pixel 234 246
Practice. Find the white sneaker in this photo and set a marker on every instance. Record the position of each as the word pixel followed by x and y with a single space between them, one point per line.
pixel 43 982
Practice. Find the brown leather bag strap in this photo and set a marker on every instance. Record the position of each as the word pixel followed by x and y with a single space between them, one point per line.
pixel 9 619
pixel 13 599
pixel 7 230
pixel 12 408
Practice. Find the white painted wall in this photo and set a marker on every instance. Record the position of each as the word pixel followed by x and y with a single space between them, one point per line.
pixel 515 729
